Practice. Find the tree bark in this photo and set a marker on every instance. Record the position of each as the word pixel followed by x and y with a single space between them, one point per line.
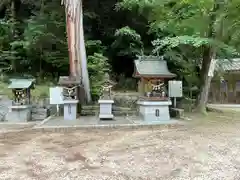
pixel 78 58
pixel 208 54
pixel 40 64
pixel 205 80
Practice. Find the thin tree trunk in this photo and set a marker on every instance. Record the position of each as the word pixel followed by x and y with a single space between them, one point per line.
pixel 208 54
pixel 41 48
pixel 205 80
pixel 40 65
pixel 13 19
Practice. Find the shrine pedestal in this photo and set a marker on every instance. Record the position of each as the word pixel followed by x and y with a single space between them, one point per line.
pixel 19 113
pixel 105 109
pixel 70 109
pixel 154 110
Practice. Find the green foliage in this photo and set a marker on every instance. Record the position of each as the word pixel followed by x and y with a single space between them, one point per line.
pixel 8 48
pixel 94 46
pixel 207 27
pixel 187 22
pixel 36 42
pixel 97 67
pixel 173 42
pixel 127 42
pixel 191 24
pixel 126 83
pixel 141 5
pixel 4 31
pixel 33 36
pixel 42 36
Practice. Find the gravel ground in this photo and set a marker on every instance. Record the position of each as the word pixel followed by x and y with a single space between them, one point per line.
pixel 201 150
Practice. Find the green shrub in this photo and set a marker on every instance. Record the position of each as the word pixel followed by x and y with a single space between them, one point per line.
pixel 126 83
pixel 97 67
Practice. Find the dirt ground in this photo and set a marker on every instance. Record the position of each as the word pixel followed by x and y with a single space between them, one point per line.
pixel 206 148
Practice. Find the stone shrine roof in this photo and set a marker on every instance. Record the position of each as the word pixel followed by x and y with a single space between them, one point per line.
pixel 152 66
pixel 21 83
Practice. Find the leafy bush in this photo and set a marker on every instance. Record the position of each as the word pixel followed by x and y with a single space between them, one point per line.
pixel 126 83
pixel 97 67
pixel 127 42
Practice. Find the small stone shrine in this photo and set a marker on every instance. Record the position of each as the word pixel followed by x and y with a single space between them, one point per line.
pixel 153 102
pixel 70 96
pixel 21 108
pixel 105 101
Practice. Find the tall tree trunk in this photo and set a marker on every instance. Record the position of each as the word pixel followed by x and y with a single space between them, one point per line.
pixel 83 57
pixel 76 44
pixel 40 64
pixel 208 54
pixel 13 19
pixel 41 48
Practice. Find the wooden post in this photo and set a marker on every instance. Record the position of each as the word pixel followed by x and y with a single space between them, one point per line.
pixel 141 87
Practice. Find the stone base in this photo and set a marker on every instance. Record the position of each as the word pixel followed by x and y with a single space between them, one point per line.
pixel 70 110
pixel 106 116
pixel 154 110
pixel 177 113
pixel 18 114
pixel 39 114
pixel 105 109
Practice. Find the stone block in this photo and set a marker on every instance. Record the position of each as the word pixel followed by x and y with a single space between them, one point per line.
pixel 105 109
pixel 177 113
pixel 18 114
pixel 70 109
pixel 154 110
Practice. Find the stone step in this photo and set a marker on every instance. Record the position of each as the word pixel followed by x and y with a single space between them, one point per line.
pixel 88 113
pixel 39 114
pixel 116 113
pixel 90 107
pixel 124 113
pixel 115 108
pixel 118 108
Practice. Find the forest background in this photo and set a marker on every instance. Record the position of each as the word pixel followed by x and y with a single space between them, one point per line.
pixel 188 33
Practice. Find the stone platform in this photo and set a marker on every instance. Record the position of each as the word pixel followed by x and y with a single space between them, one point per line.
pixel 93 121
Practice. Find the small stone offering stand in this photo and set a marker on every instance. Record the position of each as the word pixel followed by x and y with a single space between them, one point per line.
pixel 153 102
pixel 70 96
pixel 106 101
pixel 21 109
